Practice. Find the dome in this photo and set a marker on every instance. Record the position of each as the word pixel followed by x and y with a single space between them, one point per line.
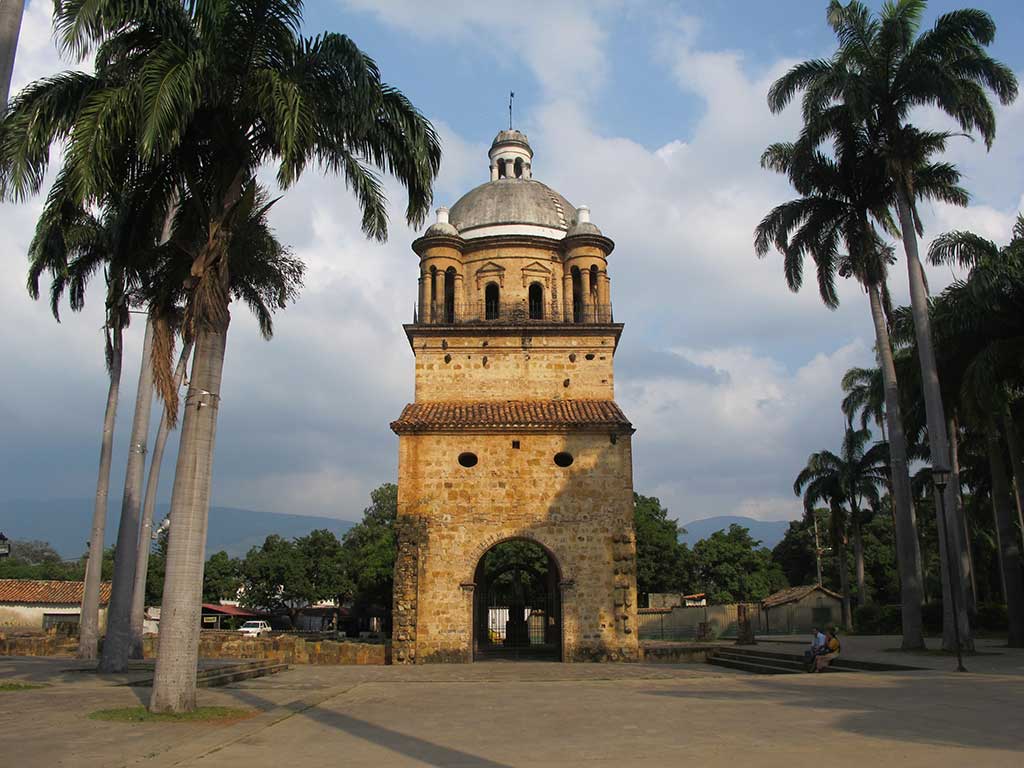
pixel 512 206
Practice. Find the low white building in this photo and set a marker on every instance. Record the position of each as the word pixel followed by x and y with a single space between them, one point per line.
pixel 38 605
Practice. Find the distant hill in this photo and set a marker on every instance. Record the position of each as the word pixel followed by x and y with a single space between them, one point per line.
pixel 770 532
pixel 65 524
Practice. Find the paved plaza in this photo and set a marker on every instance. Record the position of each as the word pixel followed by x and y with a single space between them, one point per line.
pixel 500 714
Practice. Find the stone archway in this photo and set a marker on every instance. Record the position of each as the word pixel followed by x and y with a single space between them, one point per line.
pixel 517 605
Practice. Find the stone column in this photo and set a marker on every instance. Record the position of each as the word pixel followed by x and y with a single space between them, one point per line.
pixel 567 293
pixel 437 308
pixel 588 295
pixel 424 297
pixel 460 298
pixel 604 289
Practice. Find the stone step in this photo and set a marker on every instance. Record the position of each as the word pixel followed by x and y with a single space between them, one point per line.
pixel 751 666
pixel 840 663
pixel 234 676
pixel 794 664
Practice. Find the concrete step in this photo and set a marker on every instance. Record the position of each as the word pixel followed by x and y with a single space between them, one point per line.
pixel 797 665
pixel 840 663
pixel 751 666
pixel 236 675
pixel 213 677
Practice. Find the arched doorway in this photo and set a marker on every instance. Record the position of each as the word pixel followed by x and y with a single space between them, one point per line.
pixel 517 610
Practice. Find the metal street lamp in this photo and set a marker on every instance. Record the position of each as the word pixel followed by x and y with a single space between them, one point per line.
pixel 5 546
pixel 940 478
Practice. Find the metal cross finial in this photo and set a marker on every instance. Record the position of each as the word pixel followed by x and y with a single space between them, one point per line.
pixel 511 95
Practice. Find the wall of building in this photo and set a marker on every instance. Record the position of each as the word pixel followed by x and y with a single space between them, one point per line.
pixel 800 617
pixel 523 365
pixel 450 516
pixel 30 616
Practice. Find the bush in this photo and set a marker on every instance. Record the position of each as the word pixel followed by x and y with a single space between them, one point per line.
pixel 993 617
pixel 872 619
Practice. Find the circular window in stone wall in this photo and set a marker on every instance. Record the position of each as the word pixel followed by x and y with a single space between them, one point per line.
pixel 563 459
pixel 467 459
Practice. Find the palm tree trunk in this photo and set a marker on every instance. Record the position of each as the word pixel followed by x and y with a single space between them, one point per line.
pixel 174 684
pixel 1013 442
pixel 936 419
pixel 1008 549
pixel 839 544
pixel 967 556
pixel 117 645
pixel 148 507
pixel 89 618
pixel 858 562
pixel 908 547
pixel 11 12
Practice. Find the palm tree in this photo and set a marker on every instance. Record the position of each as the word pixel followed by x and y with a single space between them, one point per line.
pixel 840 198
pixel 882 70
pixel 979 319
pixel 72 244
pixel 217 89
pixel 265 277
pixel 11 12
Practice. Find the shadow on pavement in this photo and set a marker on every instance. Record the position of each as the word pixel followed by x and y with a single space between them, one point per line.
pixel 910 712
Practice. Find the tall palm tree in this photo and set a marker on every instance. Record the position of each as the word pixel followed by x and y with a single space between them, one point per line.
pixel 217 88
pixel 882 70
pixel 72 244
pixel 980 320
pixel 865 397
pixel 841 199
pixel 11 12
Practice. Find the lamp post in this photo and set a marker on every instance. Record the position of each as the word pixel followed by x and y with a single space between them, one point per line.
pixel 940 478
pixel 5 545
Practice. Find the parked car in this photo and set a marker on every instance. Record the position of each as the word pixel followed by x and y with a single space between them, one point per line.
pixel 254 628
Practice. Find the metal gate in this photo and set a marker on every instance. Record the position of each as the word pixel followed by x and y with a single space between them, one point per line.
pixel 517 617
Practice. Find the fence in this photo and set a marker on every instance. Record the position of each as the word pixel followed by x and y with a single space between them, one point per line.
pixel 686 622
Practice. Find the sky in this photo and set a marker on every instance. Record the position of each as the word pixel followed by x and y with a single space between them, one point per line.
pixel 653 114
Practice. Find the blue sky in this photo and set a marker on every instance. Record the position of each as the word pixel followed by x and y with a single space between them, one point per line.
pixel 653 113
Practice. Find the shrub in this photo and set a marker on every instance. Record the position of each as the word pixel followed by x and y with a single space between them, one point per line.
pixel 865 619
pixel 931 617
pixel 993 617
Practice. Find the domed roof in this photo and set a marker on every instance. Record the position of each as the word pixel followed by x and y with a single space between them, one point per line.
pixel 513 202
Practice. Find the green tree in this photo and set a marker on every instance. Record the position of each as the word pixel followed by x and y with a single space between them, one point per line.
pixel 883 69
pixel 370 549
pixel 662 563
pixel 732 566
pixel 38 560
pixel 274 578
pixel 222 577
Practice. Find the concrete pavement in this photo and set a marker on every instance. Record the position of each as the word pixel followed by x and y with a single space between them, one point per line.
pixel 496 714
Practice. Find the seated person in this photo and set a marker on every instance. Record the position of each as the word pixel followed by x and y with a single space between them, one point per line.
pixel 831 651
pixel 818 646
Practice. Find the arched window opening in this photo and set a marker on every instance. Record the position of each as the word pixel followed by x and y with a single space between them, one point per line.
pixel 536 301
pixel 519 167
pixel 501 168
pixel 449 295
pixel 577 295
pixel 492 302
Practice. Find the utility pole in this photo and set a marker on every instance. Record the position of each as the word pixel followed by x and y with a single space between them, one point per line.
pixel 817 547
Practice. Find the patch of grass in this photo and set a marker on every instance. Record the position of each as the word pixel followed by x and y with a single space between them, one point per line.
pixel 20 686
pixel 143 715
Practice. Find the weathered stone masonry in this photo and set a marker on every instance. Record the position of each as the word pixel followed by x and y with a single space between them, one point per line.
pixel 514 345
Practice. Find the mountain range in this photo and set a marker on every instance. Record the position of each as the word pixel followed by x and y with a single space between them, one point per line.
pixel 770 532
pixel 65 524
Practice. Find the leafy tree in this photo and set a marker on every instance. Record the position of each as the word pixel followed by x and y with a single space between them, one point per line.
pixel 222 577
pixel 370 549
pixel 663 564
pixel 732 566
pixel 38 560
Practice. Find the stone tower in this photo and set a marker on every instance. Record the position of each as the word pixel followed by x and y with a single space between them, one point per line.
pixel 514 434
